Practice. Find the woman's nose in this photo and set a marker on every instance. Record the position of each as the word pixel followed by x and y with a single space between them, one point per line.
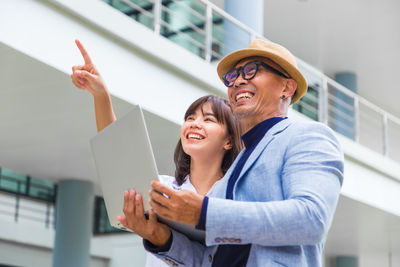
pixel 196 124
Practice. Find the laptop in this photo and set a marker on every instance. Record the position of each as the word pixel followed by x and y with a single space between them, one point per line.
pixel 124 160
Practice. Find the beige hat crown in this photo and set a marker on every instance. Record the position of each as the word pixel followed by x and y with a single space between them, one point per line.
pixel 275 52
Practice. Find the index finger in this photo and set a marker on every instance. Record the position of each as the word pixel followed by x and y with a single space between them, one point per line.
pixel 84 53
pixel 162 188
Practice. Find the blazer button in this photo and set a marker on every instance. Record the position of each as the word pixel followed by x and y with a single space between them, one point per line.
pixel 210 258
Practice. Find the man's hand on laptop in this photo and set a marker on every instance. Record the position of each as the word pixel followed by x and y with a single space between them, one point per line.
pixel 135 219
pixel 181 205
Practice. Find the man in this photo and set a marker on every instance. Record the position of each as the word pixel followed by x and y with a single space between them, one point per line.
pixel 275 204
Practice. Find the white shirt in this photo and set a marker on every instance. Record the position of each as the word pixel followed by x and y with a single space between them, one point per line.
pixel 151 260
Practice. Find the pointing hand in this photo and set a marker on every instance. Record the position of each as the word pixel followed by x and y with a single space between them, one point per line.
pixel 86 76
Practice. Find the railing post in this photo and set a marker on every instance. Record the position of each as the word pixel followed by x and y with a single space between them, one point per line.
pixel 385 135
pixel 323 101
pixel 157 16
pixel 17 198
pixel 208 39
pixel 356 120
pixel 28 185
pixel 47 214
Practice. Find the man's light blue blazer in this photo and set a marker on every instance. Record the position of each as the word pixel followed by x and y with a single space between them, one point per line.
pixel 284 201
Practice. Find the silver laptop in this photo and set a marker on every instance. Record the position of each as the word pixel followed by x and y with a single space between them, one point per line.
pixel 124 160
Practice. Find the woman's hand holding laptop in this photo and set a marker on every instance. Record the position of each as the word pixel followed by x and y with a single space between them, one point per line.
pixel 135 219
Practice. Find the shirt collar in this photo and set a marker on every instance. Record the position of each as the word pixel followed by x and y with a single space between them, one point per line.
pixel 255 134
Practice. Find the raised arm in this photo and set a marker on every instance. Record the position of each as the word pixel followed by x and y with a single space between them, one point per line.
pixel 87 77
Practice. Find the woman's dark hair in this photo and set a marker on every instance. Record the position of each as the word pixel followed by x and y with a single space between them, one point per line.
pixel 224 115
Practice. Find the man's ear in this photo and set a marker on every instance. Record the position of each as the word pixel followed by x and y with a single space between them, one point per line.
pixel 290 88
pixel 228 144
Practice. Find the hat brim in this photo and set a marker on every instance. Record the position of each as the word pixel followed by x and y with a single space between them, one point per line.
pixel 230 60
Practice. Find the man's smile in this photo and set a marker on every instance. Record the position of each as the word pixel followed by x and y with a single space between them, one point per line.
pixel 243 96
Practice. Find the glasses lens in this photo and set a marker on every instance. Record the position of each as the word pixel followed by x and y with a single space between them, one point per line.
pixel 249 70
pixel 230 77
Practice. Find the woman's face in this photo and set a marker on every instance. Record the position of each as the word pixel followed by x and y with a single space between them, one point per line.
pixel 203 136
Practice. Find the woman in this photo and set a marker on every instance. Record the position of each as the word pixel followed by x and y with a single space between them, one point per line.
pixel 209 143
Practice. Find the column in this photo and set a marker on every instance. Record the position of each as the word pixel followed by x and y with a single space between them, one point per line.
pixel 346 261
pixel 250 14
pixel 74 216
pixel 345 104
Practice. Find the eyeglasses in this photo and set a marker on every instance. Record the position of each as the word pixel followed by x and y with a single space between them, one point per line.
pixel 248 71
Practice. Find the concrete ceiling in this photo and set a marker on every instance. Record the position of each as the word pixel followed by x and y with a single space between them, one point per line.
pixel 358 36
pixel 46 122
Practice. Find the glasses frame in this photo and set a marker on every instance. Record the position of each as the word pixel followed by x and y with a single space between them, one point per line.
pixel 241 70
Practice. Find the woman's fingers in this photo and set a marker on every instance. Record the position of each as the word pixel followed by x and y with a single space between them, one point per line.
pixel 77 79
pixel 139 212
pixel 126 199
pixel 84 53
pixel 152 216
pixel 78 83
pixel 122 219
pixel 83 74
pixel 131 204
pixel 77 67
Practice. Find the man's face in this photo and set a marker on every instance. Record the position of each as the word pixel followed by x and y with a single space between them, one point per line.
pixel 256 99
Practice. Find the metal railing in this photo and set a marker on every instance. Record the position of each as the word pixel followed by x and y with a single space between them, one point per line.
pixel 21 208
pixel 25 200
pixel 201 27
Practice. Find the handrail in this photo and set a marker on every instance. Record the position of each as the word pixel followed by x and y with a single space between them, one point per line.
pixel 133 5
pixel 31 185
pixel 190 10
pixel 194 27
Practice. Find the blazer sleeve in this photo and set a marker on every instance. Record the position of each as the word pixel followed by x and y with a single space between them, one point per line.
pixel 311 177
pixel 183 251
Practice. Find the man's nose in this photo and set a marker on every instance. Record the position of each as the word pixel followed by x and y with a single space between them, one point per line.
pixel 239 80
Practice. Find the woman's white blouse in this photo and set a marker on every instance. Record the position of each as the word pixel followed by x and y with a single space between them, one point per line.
pixel 151 260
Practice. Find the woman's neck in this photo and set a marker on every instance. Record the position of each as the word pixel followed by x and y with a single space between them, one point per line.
pixel 204 173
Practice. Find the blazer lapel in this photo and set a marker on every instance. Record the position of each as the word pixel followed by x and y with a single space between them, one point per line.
pixel 270 135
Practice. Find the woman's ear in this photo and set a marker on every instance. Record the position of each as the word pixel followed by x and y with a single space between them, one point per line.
pixel 228 144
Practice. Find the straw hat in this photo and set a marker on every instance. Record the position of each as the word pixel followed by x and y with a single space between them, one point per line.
pixel 274 52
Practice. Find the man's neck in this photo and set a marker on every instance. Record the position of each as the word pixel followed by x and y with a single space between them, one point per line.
pixel 249 122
